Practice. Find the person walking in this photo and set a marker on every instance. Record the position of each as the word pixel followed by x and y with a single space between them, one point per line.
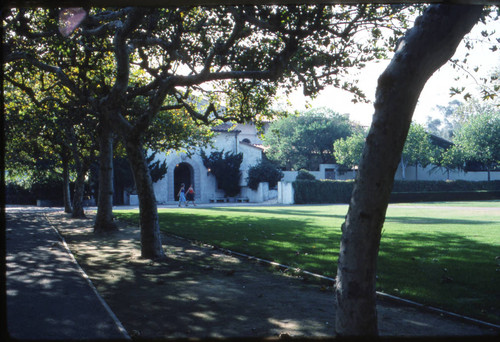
pixel 182 195
pixel 190 195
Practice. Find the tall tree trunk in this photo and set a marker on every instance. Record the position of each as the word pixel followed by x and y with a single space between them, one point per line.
pixel 425 48
pixel 78 211
pixel 151 247
pixel 66 190
pixel 104 218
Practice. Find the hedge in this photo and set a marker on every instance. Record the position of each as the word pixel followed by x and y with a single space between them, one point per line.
pixel 331 191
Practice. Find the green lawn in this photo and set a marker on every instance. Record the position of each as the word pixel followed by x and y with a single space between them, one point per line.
pixel 440 254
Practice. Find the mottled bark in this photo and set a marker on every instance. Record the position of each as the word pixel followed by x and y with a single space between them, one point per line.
pixel 66 189
pixel 104 217
pixel 151 247
pixel 425 48
pixel 78 211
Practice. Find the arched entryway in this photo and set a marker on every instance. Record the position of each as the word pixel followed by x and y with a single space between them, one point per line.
pixel 183 173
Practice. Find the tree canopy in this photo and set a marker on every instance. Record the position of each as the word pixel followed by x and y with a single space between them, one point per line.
pixel 348 151
pixel 305 140
pixel 479 139
pixel 234 56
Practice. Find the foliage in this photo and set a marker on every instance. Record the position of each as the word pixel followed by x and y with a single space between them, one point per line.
pixel 449 123
pixel 157 169
pixel 305 140
pixel 479 139
pixel 226 169
pixel 348 151
pixel 330 191
pixel 452 158
pixel 17 194
pixel 305 175
pixel 264 171
pixel 322 191
pixel 418 149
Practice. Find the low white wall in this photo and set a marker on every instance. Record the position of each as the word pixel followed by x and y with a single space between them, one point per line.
pixel 262 193
pixel 285 193
pixel 431 173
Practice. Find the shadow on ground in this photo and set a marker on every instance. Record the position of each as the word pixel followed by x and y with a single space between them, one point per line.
pixel 200 292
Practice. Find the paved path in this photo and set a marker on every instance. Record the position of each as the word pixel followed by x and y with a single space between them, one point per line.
pixel 48 295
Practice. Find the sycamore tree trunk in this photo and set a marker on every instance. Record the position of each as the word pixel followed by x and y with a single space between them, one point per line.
pixel 79 190
pixel 151 247
pixel 426 47
pixel 66 189
pixel 104 217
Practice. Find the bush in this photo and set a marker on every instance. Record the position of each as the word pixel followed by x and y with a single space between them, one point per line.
pixel 265 171
pixel 330 191
pixel 459 185
pixel 305 175
pixel 17 194
pixel 324 191
pixel 226 169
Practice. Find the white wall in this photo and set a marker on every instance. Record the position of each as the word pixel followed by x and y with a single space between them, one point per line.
pixel 205 185
pixel 285 193
pixel 430 173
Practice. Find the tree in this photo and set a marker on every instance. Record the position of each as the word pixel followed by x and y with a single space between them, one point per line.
pixel 451 159
pixel 32 39
pixel 446 127
pixel 52 124
pixel 348 151
pixel 418 148
pixel 226 169
pixel 264 171
pixel 217 47
pixel 305 140
pixel 479 139
pixel 423 49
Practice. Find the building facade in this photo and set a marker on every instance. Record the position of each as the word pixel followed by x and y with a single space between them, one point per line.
pixel 189 169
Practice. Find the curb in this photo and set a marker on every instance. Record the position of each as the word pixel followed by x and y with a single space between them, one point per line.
pixel 379 294
pixel 119 325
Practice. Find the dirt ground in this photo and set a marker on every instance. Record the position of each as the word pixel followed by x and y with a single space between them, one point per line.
pixel 200 292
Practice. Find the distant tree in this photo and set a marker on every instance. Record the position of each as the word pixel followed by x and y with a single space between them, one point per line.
pixel 445 126
pixel 418 149
pixel 479 139
pixel 305 140
pixel 348 151
pixel 451 159
pixel 264 171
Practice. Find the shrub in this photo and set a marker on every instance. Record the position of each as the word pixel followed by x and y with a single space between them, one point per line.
pixel 305 175
pixel 17 194
pixel 265 171
pixel 226 169
pixel 330 191
pixel 324 191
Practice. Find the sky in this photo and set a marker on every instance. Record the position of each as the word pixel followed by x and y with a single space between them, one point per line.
pixel 436 91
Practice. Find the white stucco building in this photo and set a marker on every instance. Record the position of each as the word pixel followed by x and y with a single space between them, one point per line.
pixel 245 139
pixel 235 138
